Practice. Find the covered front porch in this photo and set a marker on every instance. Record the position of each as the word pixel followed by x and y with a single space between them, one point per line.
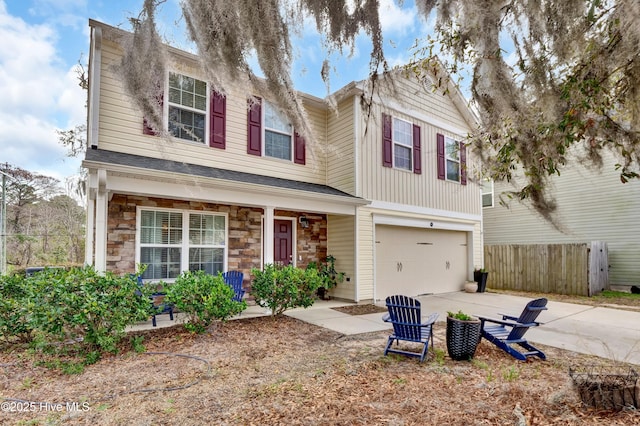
pixel 175 217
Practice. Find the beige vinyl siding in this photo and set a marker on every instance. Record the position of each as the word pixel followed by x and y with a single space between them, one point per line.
pixel 436 104
pixel 405 187
pixel 592 206
pixel 365 254
pixel 340 147
pixel 121 130
pixel 341 245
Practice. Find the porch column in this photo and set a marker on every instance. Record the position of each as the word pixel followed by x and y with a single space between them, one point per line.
pixel 101 222
pixel 91 211
pixel 268 234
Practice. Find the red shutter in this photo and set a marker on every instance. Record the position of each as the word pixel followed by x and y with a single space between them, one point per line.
pixel 417 151
pixel 463 163
pixel 146 128
pixel 299 150
pixel 217 121
pixel 387 142
pixel 254 128
pixel 441 163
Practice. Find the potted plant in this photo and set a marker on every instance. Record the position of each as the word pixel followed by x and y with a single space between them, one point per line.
pixel 470 286
pixel 330 277
pixel 480 276
pixel 463 335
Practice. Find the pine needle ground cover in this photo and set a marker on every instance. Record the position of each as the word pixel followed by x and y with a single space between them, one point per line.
pixel 284 371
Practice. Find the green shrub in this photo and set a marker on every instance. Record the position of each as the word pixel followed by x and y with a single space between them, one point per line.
pixel 459 316
pixel 14 314
pixel 84 307
pixel 203 298
pixel 279 288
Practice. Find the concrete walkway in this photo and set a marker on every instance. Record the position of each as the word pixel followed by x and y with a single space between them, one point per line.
pixel 605 332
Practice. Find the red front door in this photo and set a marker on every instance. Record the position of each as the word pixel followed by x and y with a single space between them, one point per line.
pixel 282 241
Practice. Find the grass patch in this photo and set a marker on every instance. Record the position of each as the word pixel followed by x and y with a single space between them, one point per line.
pixel 610 294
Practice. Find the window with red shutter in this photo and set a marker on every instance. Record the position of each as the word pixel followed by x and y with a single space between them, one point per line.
pixel 452 159
pixel 401 144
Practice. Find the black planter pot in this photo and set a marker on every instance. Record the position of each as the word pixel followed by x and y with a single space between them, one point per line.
pixel 463 338
pixel 481 279
pixel 323 293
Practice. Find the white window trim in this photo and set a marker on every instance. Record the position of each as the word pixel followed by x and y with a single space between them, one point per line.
pixel 207 113
pixel 487 182
pixel 265 129
pixel 184 254
pixel 394 143
pixel 447 159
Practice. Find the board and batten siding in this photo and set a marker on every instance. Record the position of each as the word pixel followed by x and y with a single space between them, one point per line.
pixel 415 97
pixel 592 206
pixel 121 126
pixel 405 187
pixel 340 147
pixel 341 245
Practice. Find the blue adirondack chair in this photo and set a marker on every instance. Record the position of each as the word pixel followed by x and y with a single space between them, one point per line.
pixel 404 313
pixel 510 330
pixel 234 280
pixel 161 308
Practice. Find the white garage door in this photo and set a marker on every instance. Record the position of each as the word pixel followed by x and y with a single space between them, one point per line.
pixel 415 261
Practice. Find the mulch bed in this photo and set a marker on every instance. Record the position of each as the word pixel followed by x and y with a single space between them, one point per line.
pixel 264 371
pixel 361 309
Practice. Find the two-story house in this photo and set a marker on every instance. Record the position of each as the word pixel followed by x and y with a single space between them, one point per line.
pixel 233 187
pixel 592 205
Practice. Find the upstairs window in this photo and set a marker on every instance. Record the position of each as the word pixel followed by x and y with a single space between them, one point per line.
pixel 452 159
pixel 402 144
pixel 187 108
pixel 487 193
pixel 278 134
pixel 193 112
pixel 270 134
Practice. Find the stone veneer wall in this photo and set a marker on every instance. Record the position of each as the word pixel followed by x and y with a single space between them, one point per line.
pixel 245 233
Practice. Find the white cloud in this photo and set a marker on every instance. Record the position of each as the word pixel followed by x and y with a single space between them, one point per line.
pixel 32 144
pixel 39 95
pixel 396 20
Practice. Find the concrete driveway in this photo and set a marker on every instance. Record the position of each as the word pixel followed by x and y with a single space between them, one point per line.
pixel 605 332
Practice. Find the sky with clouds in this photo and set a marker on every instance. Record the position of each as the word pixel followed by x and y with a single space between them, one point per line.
pixel 44 40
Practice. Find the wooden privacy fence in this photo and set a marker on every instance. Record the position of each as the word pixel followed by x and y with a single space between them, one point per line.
pixel 576 269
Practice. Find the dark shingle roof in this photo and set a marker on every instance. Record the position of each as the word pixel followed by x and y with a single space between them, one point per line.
pixel 122 159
